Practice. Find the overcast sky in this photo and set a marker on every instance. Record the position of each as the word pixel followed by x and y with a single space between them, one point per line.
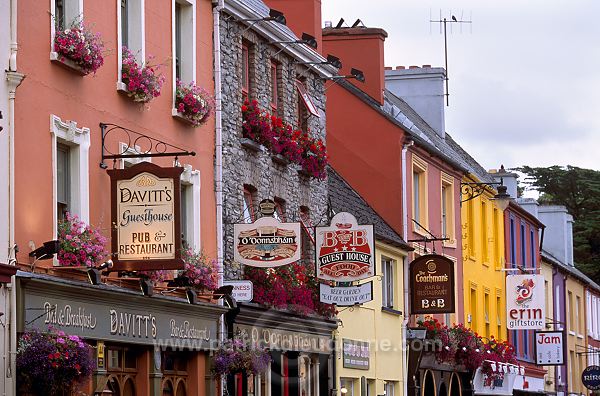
pixel 524 78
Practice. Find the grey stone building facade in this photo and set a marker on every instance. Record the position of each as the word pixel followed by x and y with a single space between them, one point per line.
pixel 253 169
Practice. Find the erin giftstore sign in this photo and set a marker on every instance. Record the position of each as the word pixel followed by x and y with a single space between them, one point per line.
pixel 117 317
pixel 345 250
pixel 146 217
pixel 266 243
pixel 432 285
pixel 525 302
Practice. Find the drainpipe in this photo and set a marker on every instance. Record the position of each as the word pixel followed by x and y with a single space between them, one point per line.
pixel 405 278
pixel 219 160
pixel 14 80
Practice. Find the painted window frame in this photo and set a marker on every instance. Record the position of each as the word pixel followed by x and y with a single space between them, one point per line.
pixel 420 169
pixel 447 209
pixel 73 10
pixel 487 312
pixel 496 236
pixel 78 140
pixel 513 241
pixel 245 72
pixel 191 181
pixel 523 242
pixel 389 386
pixel 64 151
pixel 248 199
pixel 571 312
pixel 136 33
pixel 473 306
pixel 485 248
pixel 388 282
pixel 302 113
pixel 187 24
pixel 275 86
pixel 499 312
pixel 532 244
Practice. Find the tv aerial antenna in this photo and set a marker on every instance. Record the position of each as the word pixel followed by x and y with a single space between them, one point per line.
pixel 443 22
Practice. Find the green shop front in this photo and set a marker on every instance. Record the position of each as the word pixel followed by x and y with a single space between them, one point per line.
pixel 143 345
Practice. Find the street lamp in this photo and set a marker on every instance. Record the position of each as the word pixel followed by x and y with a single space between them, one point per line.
pixel 473 190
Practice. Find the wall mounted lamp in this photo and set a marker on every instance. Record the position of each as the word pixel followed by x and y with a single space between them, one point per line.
pixel 46 251
pixel 95 274
pixel 354 73
pixel 472 190
pixel 307 39
pixel 331 60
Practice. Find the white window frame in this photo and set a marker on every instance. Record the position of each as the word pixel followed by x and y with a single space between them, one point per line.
pixel 188 49
pixel 190 178
pixel 386 279
pixel 136 31
pixel 78 140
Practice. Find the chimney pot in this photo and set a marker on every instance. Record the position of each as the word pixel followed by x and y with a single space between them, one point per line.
pixel 426 66
pixel 400 67
pixel 328 24
pixel 388 68
pixel 414 67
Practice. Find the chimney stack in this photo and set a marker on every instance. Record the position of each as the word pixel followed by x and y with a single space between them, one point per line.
pixel 360 48
pixel 509 179
pixel 423 89
pixel 303 16
pixel 558 235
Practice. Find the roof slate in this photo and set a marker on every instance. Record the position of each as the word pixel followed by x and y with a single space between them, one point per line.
pixel 345 199
pixel 572 270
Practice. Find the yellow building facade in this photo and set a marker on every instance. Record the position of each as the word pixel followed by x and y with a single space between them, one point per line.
pixel 576 334
pixel 483 261
pixel 370 337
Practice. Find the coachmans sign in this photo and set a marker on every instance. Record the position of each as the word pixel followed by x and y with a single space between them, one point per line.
pixel 432 285
pixel 146 218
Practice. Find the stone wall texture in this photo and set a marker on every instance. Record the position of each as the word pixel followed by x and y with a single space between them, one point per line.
pixel 243 166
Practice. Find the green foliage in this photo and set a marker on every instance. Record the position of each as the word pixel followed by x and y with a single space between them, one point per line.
pixel 579 190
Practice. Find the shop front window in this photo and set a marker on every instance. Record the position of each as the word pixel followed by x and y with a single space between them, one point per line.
pixel 122 370
pixel 175 373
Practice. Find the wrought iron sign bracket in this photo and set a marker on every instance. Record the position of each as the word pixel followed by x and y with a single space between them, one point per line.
pixel 136 145
pixel 473 190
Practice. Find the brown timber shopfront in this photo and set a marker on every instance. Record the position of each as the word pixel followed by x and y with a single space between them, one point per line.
pixel 301 353
pixel 143 345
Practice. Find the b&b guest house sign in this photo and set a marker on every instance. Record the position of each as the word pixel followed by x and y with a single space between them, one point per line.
pixel 345 250
pixel 432 285
pixel 146 217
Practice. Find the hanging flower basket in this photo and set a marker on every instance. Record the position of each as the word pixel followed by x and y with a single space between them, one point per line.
pixel 142 83
pixel 80 245
pixel 234 357
pixel 200 271
pixel 53 363
pixel 193 103
pixel 79 48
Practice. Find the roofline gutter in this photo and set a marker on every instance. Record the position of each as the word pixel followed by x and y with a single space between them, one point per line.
pixel 273 31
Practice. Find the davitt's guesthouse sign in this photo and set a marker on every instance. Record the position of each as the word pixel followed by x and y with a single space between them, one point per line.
pixel 146 217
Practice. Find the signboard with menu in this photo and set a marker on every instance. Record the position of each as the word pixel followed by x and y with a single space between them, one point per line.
pixel 432 285
pixel 525 302
pixel 146 218
pixel 345 296
pixel 549 348
pixel 356 354
pixel 345 250
pixel 266 243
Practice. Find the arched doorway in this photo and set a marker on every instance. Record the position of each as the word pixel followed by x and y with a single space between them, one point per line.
pixel 428 388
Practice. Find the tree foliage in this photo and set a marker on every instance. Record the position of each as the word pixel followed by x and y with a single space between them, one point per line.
pixel 579 190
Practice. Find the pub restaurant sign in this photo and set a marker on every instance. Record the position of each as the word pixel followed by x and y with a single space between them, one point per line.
pixel 345 250
pixel 432 285
pixel 266 243
pixel 146 217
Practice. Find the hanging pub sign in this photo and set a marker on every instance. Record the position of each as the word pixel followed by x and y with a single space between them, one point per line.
pixel 345 250
pixel 266 243
pixel 525 302
pixel 346 296
pixel 432 285
pixel 549 348
pixel 146 219
pixel 590 377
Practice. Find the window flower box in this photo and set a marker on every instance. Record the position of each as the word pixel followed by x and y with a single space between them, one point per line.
pixel 67 63
pixel 78 49
pixel 251 145
pixel 192 103
pixel 141 82
pixel 80 245
pixel 280 159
